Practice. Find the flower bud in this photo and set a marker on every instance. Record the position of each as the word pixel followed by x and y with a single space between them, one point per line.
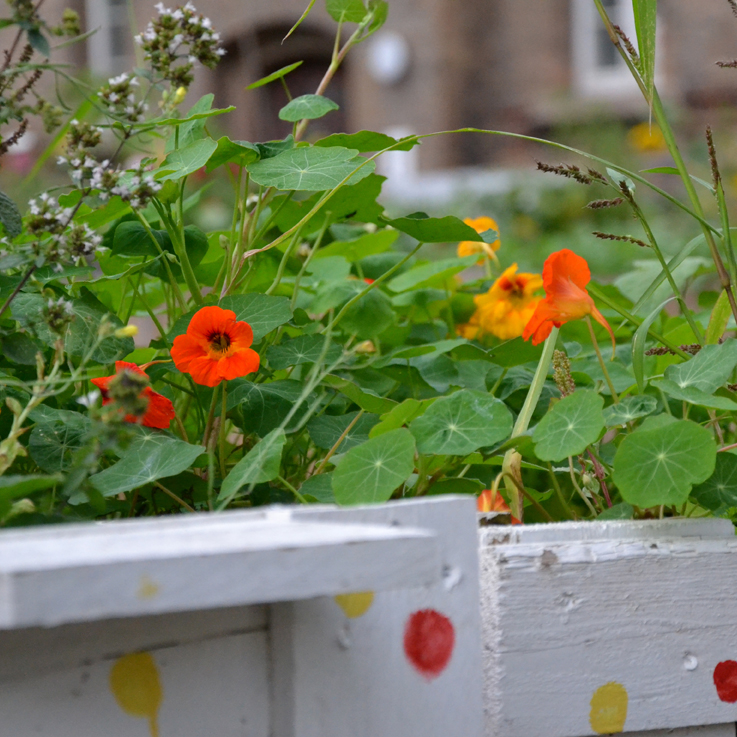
pixel 129 331
pixel 14 405
pixel 366 347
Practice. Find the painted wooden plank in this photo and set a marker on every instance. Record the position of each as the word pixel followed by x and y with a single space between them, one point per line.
pixel 596 634
pixel 712 730
pixel 611 530
pixel 37 651
pixel 216 687
pixel 89 572
pixel 395 663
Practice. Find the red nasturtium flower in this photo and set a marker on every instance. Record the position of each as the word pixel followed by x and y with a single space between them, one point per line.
pixel 565 276
pixel 215 347
pixel 160 410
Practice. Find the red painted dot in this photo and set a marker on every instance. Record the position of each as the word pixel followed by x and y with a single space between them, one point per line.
pixel 725 679
pixel 429 639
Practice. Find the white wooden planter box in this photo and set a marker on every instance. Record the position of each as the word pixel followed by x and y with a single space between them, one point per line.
pixel 319 622
pixel 300 622
pixel 596 628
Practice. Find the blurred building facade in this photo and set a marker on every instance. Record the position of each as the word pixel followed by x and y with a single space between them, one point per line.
pixel 516 65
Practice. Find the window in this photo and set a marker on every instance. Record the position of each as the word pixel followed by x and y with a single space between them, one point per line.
pixel 108 47
pixel 598 69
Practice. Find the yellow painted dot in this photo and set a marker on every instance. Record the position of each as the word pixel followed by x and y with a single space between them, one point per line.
pixel 355 605
pixel 135 683
pixel 147 588
pixel 608 708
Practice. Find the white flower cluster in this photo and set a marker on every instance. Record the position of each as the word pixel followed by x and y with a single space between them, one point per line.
pixel 67 242
pixel 47 216
pixel 177 40
pixel 82 136
pixel 119 98
pixel 57 314
pixel 137 187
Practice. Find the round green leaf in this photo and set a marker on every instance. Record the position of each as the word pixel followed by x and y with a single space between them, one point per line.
pixel 618 511
pixel 570 427
pixel 53 442
pixel 302 349
pixel 659 463
pixel 325 430
pixel 185 161
pixel 311 169
pixel 351 11
pixel 260 464
pixel 719 491
pixel 369 316
pixel 630 408
pixel 306 107
pixel 369 473
pixel 264 407
pixel 151 456
pixel 462 423
pixel 10 216
pixel 319 488
pixel 707 370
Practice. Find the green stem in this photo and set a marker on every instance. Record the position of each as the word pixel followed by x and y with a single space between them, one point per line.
pixel 164 259
pixel 313 251
pixel 210 418
pixel 223 410
pixel 602 362
pixel 536 387
pixel 176 233
pixel 373 285
pixel 171 494
pixel 559 493
pixel 583 496
pixel 283 263
pixel 596 292
pixel 666 270
pixel 294 491
pixel 151 313
pixel 726 232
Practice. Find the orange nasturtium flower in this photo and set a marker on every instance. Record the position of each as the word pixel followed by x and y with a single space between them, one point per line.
pixel 490 500
pixel 510 303
pixel 215 347
pixel 565 276
pixel 160 410
pixel 480 225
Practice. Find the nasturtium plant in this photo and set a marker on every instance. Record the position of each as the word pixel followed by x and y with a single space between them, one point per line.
pixel 462 423
pixel 663 460
pixel 311 347
pixel 570 427
pixel 372 471
pixel 719 491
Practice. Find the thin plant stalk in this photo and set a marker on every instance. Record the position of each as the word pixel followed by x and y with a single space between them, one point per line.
pixel 602 362
pixel 512 459
pixel 656 106
pixel 583 496
pixel 223 410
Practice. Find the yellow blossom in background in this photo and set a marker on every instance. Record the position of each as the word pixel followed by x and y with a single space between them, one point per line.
pixel 508 306
pixel 469 330
pixel 646 138
pixel 480 225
